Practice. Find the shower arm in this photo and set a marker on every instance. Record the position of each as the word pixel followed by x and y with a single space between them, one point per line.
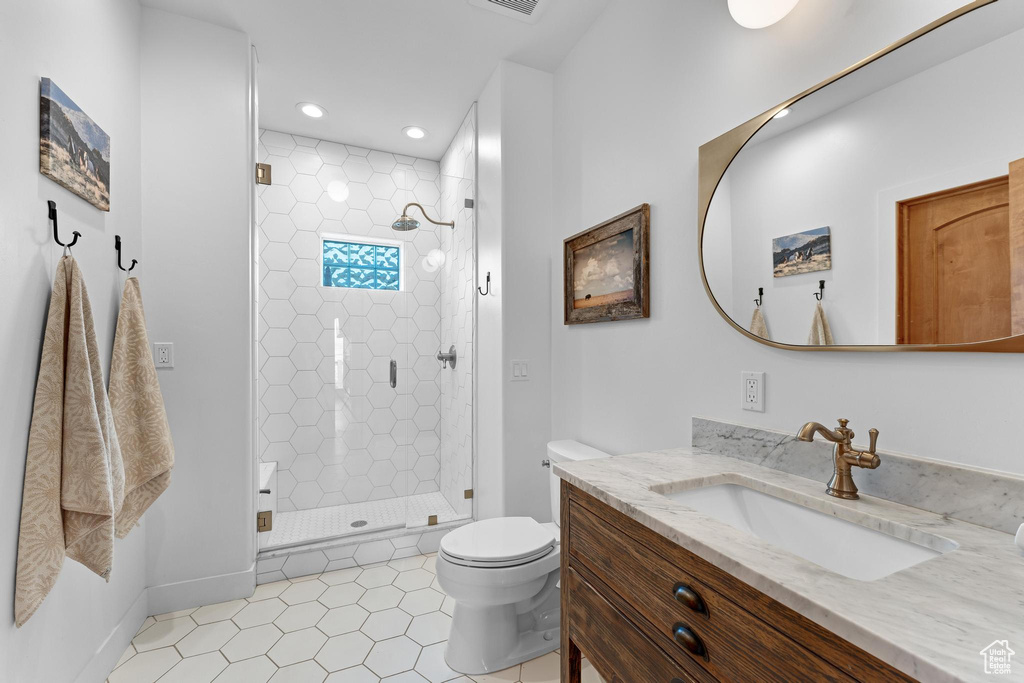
pixel 405 212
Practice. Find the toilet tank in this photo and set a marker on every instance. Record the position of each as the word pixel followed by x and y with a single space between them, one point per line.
pixel 566 451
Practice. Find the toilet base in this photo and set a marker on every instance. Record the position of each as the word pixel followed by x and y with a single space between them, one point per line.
pixel 491 638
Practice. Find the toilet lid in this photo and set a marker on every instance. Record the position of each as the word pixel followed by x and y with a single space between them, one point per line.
pixel 502 539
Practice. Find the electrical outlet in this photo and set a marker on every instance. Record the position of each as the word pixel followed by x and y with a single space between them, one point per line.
pixel 520 371
pixel 163 354
pixel 753 391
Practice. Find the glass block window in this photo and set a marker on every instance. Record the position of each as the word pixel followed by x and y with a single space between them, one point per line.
pixel 357 265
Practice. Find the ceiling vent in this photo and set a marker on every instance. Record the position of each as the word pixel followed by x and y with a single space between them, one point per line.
pixel 523 10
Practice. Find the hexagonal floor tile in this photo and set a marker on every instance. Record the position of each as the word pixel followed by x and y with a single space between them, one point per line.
pixel 207 638
pixel 303 672
pixel 386 624
pixel 343 620
pixel 218 612
pixel 344 651
pixel 301 616
pixel 390 657
pixel 163 634
pixel 431 664
pixel 376 576
pixel 146 666
pixel 258 613
pixel 414 579
pixel 430 628
pixel 255 670
pixel 251 642
pixel 343 594
pixel 421 601
pixel 296 647
pixel 384 597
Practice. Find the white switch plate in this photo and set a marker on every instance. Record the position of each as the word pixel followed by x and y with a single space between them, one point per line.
pixel 163 354
pixel 752 391
pixel 520 371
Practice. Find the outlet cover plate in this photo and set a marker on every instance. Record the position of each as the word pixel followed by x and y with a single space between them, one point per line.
pixel 752 391
pixel 163 354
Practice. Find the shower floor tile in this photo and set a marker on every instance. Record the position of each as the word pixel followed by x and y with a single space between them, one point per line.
pixel 306 526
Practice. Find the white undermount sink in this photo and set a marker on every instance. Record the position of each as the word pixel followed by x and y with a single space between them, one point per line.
pixel 838 545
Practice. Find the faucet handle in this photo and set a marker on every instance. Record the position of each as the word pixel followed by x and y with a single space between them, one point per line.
pixel 874 440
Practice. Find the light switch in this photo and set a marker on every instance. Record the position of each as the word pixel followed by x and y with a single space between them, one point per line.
pixel 163 354
pixel 520 371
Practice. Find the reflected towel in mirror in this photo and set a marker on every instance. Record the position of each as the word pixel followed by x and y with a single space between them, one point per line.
pixel 821 333
pixel 758 326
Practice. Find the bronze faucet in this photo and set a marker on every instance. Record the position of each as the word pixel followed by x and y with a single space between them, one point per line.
pixel 843 456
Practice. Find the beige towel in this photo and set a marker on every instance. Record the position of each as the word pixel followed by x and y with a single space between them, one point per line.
pixel 139 416
pixel 758 327
pixel 74 481
pixel 821 334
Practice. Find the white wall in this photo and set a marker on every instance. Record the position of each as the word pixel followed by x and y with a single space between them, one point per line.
pixel 514 222
pixel 196 278
pixel 526 139
pixel 847 170
pixel 37 39
pixel 650 82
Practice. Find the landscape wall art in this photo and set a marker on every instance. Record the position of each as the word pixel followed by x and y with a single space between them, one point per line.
pixel 606 270
pixel 802 252
pixel 73 150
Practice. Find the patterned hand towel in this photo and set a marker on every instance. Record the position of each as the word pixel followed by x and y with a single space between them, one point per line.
pixel 758 327
pixel 74 480
pixel 821 333
pixel 139 416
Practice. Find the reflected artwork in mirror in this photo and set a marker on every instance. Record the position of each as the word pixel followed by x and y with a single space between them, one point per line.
pixel 899 183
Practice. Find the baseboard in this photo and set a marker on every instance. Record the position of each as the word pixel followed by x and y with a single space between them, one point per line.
pixel 172 597
pixel 107 654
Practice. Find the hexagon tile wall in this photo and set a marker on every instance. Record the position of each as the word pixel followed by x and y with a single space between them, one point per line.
pixel 329 417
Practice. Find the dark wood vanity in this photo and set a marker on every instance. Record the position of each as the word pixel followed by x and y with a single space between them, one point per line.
pixel 644 610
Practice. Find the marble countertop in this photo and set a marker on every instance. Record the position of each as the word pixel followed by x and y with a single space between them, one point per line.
pixel 930 620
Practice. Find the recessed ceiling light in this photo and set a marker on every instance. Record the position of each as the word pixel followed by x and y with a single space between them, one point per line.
pixel 760 13
pixel 313 111
pixel 781 114
pixel 415 132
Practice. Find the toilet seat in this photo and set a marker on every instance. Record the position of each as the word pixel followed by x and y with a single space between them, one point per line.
pixel 499 542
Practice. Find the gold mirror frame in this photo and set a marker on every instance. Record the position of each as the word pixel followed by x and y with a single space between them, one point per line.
pixel 717 155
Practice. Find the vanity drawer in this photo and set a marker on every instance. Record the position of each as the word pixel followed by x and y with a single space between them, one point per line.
pixel 619 652
pixel 685 616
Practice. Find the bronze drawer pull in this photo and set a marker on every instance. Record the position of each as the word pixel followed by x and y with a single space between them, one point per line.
pixel 690 640
pixel 690 598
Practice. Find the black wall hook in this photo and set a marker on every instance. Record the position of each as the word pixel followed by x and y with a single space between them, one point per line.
pixel 53 217
pixel 480 289
pixel 820 294
pixel 760 296
pixel 117 246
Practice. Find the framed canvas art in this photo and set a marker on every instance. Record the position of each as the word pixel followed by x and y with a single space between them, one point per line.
pixel 802 252
pixel 606 270
pixel 73 150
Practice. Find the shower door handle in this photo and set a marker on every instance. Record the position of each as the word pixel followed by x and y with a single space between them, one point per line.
pixel 394 373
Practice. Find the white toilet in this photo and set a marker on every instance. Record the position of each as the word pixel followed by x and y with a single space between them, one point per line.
pixel 503 574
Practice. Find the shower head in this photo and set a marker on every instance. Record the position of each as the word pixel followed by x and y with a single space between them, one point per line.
pixel 405 223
